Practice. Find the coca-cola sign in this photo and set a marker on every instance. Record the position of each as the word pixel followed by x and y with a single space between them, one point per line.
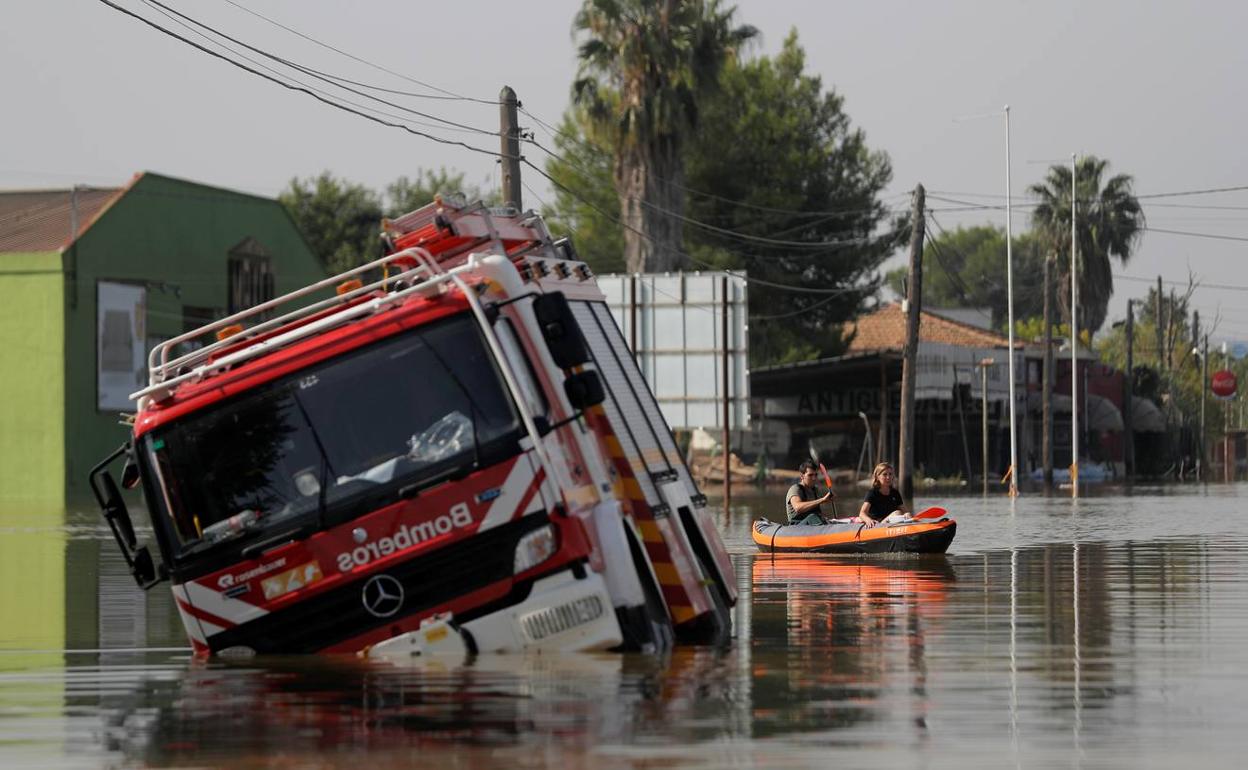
pixel 1223 383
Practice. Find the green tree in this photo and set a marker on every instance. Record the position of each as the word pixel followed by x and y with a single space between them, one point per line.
pixel 783 186
pixel 644 67
pixel 966 268
pixel 340 220
pixel 1109 223
pixel 405 194
pixel 585 194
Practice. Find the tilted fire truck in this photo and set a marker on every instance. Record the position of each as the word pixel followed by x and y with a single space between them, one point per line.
pixel 453 452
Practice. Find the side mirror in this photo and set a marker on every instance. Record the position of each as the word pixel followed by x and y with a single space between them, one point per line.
pixel 584 389
pixel 108 495
pixel 115 511
pixel 560 330
pixel 143 569
pixel 130 473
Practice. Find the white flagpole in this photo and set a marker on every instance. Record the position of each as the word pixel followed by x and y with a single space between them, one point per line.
pixel 1009 294
pixel 1074 337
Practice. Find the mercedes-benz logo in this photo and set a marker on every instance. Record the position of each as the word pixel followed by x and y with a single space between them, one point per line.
pixel 382 596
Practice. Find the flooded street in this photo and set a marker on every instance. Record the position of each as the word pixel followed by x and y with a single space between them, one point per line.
pixel 1111 631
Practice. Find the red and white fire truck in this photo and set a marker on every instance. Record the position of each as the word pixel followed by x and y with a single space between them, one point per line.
pixel 452 452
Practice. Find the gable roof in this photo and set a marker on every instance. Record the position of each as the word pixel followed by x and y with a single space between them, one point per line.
pixel 42 220
pixel 885 329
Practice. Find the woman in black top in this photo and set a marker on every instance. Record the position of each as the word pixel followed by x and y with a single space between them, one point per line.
pixel 883 498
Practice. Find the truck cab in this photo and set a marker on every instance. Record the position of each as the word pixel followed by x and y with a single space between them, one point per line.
pixel 440 457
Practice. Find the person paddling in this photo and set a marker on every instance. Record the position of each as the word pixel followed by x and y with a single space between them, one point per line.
pixel 883 499
pixel 803 500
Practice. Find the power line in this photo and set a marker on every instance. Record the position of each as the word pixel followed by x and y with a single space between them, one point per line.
pixel 447 95
pixel 324 77
pixel 690 257
pixel 1196 235
pixel 299 88
pixel 333 103
pixel 1167 282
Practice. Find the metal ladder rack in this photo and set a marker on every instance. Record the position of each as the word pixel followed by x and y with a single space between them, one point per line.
pixel 476 223
pixel 425 277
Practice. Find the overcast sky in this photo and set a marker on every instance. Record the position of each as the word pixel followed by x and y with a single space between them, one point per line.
pixel 93 96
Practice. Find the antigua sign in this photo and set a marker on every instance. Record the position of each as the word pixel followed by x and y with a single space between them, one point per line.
pixel 1222 383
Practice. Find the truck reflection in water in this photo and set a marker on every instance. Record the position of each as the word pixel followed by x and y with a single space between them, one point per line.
pixel 322 711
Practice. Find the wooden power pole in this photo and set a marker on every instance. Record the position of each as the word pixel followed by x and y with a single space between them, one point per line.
pixel 509 152
pixel 914 298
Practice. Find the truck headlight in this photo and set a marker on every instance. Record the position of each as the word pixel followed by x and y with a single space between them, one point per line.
pixel 535 548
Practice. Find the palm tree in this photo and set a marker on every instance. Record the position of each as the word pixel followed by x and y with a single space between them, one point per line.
pixel 1109 223
pixel 644 64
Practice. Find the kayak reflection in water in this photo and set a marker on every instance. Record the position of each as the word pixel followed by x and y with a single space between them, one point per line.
pixel 883 500
pixel 802 501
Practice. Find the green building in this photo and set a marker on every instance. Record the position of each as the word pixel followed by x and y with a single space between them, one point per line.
pixel 90 280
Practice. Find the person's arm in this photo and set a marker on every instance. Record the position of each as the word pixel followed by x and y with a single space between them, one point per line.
pixel 864 514
pixel 802 507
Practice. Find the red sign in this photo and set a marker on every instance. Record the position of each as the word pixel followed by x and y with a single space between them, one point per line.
pixel 1223 384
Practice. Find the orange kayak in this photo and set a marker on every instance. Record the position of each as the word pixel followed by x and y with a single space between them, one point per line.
pixel 919 536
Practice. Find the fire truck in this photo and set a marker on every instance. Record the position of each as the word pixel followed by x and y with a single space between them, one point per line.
pixel 449 449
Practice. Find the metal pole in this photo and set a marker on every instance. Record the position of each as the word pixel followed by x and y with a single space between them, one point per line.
pixel 905 459
pixel 1129 387
pixel 632 313
pixel 1009 304
pixel 509 152
pixel 1074 338
pixel 1204 397
pixel 1046 388
pixel 983 391
pixel 723 330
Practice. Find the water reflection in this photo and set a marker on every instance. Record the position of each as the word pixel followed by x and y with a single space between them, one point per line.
pixel 1063 646
pixel 835 633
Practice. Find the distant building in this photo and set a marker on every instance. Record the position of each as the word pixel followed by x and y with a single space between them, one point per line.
pixel 90 280
pixel 847 408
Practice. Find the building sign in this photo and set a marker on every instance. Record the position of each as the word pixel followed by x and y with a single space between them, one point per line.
pixel 826 403
pixel 120 334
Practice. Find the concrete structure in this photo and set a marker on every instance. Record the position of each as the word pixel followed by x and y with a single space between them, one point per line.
pixel 90 280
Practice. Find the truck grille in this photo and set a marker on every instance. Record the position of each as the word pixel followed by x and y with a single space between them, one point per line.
pixel 432 579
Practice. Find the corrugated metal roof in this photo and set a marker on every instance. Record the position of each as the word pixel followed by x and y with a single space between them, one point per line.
pixel 41 220
pixel 885 329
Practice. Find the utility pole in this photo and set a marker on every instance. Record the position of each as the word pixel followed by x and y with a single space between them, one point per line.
pixel 914 298
pixel 1046 387
pixel 1163 360
pixel 1204 397
pixel 509 154
pixel 1128 386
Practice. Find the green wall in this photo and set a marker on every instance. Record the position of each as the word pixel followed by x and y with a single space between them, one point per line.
pixel 174 238
pixel 32 392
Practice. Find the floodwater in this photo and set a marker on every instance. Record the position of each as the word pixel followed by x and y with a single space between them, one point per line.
pixel 1111 631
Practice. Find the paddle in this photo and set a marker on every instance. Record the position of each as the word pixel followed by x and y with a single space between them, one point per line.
pixel 935 512
pixel 828 480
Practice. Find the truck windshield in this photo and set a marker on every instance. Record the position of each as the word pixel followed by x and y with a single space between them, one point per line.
pixel 381 421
